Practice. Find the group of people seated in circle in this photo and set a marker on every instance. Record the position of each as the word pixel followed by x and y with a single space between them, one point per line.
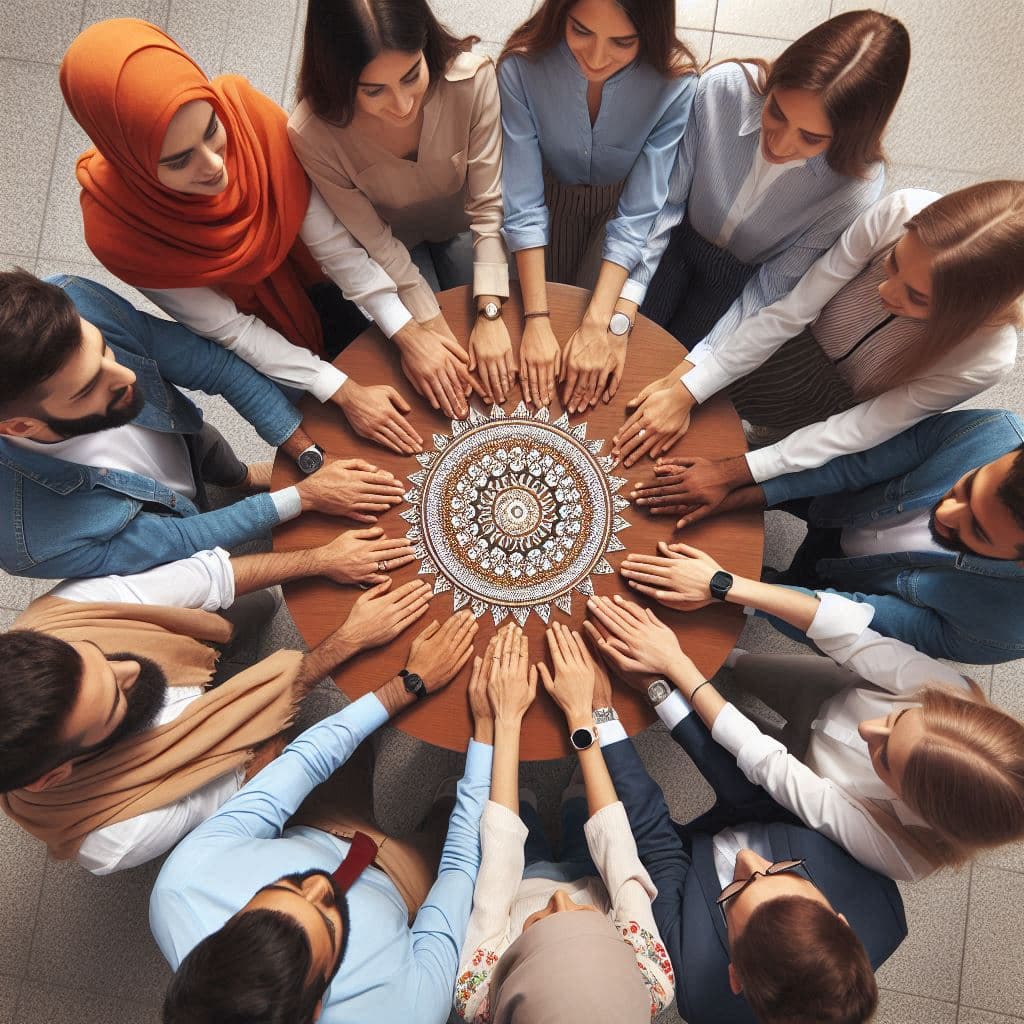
pixel 741 206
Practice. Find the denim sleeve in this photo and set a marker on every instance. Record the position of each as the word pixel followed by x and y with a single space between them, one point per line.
pixel 440 926
pixel 647 185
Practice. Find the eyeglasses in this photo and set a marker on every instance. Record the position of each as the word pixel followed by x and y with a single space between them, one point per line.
pixel 780 867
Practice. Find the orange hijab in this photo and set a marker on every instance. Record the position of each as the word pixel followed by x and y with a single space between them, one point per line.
pixel 123 81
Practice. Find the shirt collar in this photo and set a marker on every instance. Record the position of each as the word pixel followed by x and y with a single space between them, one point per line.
pixel 619 75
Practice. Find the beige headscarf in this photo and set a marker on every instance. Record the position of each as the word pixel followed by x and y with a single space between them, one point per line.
pixel 215 734
pixel 567 968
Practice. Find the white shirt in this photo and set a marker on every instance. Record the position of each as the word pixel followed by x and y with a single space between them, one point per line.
pixel 215 316
pixel 973 366
pixel 905 531
pixel 207 581
pixel 130 448
pixel 761 176
pixel 826 790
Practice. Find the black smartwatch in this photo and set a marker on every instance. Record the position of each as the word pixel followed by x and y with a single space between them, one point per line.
pixel 413 684
pixel 310 460
pixel 720 585
pixel 582 738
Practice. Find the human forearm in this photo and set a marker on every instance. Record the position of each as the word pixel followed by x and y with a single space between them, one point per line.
pixel 505 771
pixel 700 694
pixel 596 780
pixel 295 445
pixel 604 300
pixel 255 572
pixel 532 280
pixel 793 606
pixel 325 658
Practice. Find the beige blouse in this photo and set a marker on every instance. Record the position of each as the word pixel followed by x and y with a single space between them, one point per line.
pixel 391 204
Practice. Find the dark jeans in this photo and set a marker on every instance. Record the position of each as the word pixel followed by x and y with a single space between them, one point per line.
pixel 213 462
pixel 819 543
pixel 342 321
pixel 541 861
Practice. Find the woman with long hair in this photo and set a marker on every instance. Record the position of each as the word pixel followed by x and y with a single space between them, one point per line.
pixel 778 159
pixel 914 310
pixel 193 195
pixel 595 95
pixel 899 758
pixel 588 909
pixel 398 125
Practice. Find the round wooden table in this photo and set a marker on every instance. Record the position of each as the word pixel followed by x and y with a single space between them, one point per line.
pixel 319 606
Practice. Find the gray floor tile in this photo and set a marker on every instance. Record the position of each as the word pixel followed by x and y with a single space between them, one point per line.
pixel 38 30
pixel 699 41
pixel 992 979
pixel 10 987
pixel 782 19
pixel 30 103
pixel 696 13
pixel 10 260
pixel 928 962
pixel 288 100
pixel 93 934
pixel 482 17
pixel 971 1015
pixel 48 1004
pixel 18 592
pixel 153 11
pixel 899 1008
pixel 49 265
pixel 24 860
pixel 259 43
pixel 729 44
pixel 200 28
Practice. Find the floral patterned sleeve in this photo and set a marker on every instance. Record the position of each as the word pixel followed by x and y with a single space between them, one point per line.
pixel 653 963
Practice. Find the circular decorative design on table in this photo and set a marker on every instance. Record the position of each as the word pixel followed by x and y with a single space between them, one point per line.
pixel 514 513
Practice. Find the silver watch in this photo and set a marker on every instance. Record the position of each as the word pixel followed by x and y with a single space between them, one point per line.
pixel 310 460
pixel 620 325
pixel 604 715
pixel 489 311
pixel 658 691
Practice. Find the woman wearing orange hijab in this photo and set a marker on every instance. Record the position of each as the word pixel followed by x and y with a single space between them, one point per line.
pixel 193 195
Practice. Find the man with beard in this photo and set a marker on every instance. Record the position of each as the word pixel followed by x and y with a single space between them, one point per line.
pixel 927 529
pixel 113 743
pixel 103 459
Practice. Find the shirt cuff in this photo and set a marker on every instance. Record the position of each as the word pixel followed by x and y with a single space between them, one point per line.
pixel 328 379
pixel 421 302
pixel 287 502
pixel 742 738
pixel 365 715
pixel 766 463
pixel 610 732
pixel 838 621
pixel 702 381
pixel 388 312
pixel 479 758
pixel 673 709
pixel 633 291
pixel 490 279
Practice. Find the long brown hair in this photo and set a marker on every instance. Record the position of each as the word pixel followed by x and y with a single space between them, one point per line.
pixel 655 22
pixel 857 62
pixel 965 778
pixel 976 237
pixel 343 36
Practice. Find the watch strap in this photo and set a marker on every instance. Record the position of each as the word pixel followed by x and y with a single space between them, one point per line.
pixel 604 715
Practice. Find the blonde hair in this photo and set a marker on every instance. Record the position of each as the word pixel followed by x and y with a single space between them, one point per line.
pixel 965 778
pixel 976 240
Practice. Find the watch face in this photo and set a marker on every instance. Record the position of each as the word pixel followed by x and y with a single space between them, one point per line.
pixel 658 691
pixel 720 585
pixel 619 324
pixel 581 738
pixel 491 310
pixel 311 460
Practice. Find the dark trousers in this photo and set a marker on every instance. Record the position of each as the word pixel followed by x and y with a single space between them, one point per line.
pixel 574 856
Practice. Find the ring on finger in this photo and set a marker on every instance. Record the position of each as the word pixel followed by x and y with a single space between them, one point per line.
pixel 382 565
pixel 642 433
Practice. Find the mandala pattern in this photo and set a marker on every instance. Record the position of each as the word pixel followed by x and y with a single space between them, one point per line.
pixel 514 513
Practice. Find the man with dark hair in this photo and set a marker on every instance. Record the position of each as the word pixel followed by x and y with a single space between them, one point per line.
pixel 103 459
pixel 764 919
pixel 113 744
pixel 927 528
pixel 278 913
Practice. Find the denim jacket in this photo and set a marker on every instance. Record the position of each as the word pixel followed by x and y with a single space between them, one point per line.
pixel 948 605
pixel 58 518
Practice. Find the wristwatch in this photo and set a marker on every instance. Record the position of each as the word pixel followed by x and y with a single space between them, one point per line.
pixel 620 325
pixel 658 691
pixel 604 715
pixel 414 684
pixel 310 460
pixel 720 585
pixel 582 738
pixel 490 311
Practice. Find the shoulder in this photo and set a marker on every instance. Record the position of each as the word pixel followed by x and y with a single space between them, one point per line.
pixel 730 80
pixel 903 204
pixel 99 304
pixel 467 66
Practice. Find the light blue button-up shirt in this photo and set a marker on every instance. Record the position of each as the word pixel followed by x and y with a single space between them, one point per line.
pixel 799 217
pixel 546 122
pixel 393 973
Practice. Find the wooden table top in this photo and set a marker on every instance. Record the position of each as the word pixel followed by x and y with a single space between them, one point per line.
pixel 319 606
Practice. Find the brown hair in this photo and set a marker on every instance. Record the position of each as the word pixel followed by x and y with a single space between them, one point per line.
pixel 655 22
pixel 800 964
pixel 342 36
pixel 976 238
pixel 965 778
pixel 857 62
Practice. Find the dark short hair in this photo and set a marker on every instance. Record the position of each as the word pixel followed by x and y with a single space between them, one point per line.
pixel 343 36
pixel 1011 491
pixel 254 969
pixel 799 964
pixel 39 330
pixel 38 687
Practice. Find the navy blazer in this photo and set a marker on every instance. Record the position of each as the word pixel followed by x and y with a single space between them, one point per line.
pixel 690 922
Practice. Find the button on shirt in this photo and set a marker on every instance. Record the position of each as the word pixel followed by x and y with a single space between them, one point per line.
pixel 546 123
pixel 393 973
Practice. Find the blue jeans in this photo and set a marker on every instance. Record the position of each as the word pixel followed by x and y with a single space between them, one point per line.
pixel 575 861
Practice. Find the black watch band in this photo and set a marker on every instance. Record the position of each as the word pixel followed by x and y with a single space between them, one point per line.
pixel 414 684
pixel 720 585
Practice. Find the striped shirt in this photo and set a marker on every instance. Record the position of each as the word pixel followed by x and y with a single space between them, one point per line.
pixel 799 216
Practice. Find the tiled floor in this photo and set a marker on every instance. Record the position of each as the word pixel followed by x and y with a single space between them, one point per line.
pixel 74 948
